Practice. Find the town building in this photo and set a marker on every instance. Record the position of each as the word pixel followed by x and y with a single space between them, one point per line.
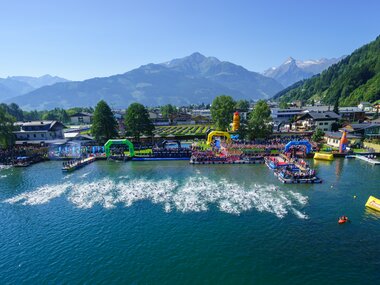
pixel 78 137
pixel 182 119
pixel 365 106
pixel 349 114
pixel 364 130
pixel 202 112
pixel 313 120
pixel 333 138
pixel 285 115
pixel 81 118
pixel 39 132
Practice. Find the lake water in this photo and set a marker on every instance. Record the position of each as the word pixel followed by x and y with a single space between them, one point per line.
pixel 175 223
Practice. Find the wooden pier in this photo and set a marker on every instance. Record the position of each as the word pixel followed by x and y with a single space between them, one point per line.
pixel 78 164
pixel 369 160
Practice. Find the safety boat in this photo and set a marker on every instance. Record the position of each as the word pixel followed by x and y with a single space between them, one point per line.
pixel 342 220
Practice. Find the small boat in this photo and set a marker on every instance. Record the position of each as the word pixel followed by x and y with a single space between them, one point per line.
pixel 350 156
pixel 342 220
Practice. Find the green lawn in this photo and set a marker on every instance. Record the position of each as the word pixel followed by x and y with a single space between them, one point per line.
pixel 182 130
pixel 359 150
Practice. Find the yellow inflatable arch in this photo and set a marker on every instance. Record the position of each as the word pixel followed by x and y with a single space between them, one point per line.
pixel 218 134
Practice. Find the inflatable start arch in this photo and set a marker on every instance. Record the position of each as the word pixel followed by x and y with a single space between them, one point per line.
pixel 305 143
pixel 218 134
pixel 109 143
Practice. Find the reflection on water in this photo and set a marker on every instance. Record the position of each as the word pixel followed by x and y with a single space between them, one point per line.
pixel 339 164
pixel 371 214
pixel 165 222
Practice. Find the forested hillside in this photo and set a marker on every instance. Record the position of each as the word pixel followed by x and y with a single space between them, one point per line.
pixel 354 79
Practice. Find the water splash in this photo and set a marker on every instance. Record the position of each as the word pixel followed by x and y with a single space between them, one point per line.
pixel 84 175
pixel 40 196
pixel 4 166
pixel 195 194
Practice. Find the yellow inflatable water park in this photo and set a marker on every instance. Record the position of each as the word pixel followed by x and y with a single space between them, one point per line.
pixel 373 203
pixel 324 156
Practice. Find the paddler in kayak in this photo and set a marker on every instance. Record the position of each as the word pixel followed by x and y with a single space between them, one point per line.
pixel 342 220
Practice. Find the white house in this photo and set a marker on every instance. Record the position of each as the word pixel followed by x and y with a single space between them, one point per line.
pixel 333 138
pixel 37 132
pixel 81 118
pixel 313 120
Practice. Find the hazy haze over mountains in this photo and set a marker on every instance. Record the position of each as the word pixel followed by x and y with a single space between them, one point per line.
pixel 18 85
pixel 192 79
pixel 293 70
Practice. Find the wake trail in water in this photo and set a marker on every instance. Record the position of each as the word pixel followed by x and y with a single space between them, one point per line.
pixel 195 194
pixel 40 196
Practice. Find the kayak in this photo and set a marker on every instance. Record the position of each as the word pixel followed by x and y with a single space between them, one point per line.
pixel 342 220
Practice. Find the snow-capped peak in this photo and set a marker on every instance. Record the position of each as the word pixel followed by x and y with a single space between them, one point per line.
pixel 289 60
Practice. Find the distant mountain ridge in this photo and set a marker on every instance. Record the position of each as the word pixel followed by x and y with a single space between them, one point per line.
pixel 182 81
pixel 18 85
pixel 293 70
pixel 354 79
pixel 38 82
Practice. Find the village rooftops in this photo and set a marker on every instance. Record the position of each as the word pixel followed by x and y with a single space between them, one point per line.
pixel 39 125
pixel 360 126
pixel 82 114
pixel 320 116
pixel 338 135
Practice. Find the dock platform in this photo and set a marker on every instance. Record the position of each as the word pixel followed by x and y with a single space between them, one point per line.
pixel 78 164
pixel 369 160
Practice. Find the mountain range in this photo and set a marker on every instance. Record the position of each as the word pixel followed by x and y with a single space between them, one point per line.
pixel 192 79
pixel 292 71
pixel 18 85
pixel 189 80
pixel 354 79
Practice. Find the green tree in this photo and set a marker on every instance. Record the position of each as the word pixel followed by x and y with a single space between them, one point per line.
pixel 104 125
pixel 242 105
pixel 137 121
pixel 50 116
pixel 13 110
pixel 336 106
pixel 318 135
pixel 6 128
pixel 260 121
pixel 283 105
pixel 168 111
pixel 222 109
pixel 32 115
pixel 312 102
pixel 376 114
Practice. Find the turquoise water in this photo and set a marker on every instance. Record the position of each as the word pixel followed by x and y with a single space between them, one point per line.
pixel 173 223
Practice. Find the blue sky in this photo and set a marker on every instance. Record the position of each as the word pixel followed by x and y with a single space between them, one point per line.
pixel 83 39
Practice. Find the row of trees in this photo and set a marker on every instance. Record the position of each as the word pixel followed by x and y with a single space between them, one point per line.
pixel 56 114
pixel 137 122
pixel 259 120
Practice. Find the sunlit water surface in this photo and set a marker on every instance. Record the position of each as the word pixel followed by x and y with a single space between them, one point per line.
pixel 174 223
